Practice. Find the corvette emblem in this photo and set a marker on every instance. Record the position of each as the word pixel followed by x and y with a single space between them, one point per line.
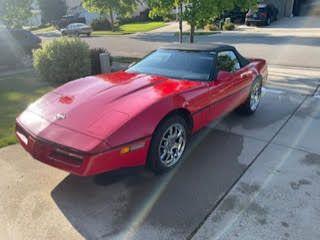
pixel 60 116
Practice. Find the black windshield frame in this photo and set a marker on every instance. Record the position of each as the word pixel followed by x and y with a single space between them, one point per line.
pixel 211 73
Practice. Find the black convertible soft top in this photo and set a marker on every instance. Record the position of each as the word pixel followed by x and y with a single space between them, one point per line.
pixel 210 47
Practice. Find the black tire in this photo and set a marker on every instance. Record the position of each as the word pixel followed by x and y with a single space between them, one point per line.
pixel 268 21
pixel 153 161
pixel 246 108
pixel 248 24
pixel 88 34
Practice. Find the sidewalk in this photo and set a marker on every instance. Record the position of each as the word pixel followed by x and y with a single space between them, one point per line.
pixel 296 26
pixel 172 27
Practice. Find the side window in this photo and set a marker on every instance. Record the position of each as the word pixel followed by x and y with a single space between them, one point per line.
pixel 228 61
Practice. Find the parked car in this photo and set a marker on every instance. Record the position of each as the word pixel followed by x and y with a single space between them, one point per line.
pixel 144 115
pixel 26 39
pixel 76 29
pixel 67 20
pixel 265 14
pixel 237 15
pixel 14 43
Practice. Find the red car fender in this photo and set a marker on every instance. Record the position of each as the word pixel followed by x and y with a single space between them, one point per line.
pixel 145 122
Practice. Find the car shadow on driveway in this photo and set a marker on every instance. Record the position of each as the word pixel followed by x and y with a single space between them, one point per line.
pixel 147 206
pixel 140 205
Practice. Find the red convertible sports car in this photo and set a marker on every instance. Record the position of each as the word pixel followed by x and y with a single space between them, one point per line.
pixel 144 115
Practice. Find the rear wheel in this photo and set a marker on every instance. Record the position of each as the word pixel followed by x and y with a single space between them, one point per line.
pixel 168 144
pixel 268 21
pixel 252 103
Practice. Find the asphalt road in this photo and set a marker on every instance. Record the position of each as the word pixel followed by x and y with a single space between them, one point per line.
pixel 289 42
pixel 286 48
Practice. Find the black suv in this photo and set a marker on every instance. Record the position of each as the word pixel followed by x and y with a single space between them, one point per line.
pixel 67 20
pixel 264 14
pixel 15 43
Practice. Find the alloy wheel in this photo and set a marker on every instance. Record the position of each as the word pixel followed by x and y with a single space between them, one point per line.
pixel 255 96
pixel 172 145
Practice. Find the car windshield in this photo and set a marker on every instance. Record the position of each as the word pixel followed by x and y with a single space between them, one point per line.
pixel 192 65
pixel 262 9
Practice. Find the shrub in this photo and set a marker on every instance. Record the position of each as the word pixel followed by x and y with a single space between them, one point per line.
pixel 229 26
pixel 95 60
pixel 211 27
pixel 62 60
pixel 101 25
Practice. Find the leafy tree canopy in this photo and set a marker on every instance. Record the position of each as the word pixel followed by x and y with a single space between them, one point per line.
pixel 197 13
pixel 121 8
pixel 14 13
pixel 52 10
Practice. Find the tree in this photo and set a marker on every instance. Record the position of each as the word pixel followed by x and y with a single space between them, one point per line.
pixel 14 13
pixel 197 13
pixel 164 8
pixel 52 10
pixel 111 8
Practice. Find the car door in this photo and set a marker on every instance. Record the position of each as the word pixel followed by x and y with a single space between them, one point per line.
pixel 229 88
pixel 71 29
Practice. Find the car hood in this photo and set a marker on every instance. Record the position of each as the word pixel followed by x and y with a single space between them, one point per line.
pixel 99 105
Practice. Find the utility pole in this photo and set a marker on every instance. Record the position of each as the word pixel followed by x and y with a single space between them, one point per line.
pixel 180 21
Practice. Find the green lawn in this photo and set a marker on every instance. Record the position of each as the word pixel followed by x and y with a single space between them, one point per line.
pixel 132 28
pixel 16 93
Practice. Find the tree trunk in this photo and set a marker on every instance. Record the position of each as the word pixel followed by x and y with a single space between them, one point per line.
pixel 192 30
pixel 111 19
pixel 180 23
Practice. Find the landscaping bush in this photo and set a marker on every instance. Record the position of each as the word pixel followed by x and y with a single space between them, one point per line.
pixel 229 26
pixel 101 25
pixel 211 27
pixel 62 60
pixel 95 60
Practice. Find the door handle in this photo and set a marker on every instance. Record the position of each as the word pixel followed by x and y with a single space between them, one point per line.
pixel 245 76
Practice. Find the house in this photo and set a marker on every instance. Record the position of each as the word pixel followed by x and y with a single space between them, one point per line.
pixel 75 8
pixel 35 20
pixel 287 8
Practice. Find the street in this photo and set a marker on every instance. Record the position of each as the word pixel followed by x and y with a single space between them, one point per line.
pixel 243 177
pixel 281 44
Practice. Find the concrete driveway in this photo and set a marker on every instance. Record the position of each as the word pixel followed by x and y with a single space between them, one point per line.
pixel 243 178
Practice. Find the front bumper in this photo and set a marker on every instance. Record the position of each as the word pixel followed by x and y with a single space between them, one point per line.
pixel 255 20
pixel 78 162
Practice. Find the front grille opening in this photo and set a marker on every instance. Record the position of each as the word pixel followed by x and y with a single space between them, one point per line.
pixel 67 157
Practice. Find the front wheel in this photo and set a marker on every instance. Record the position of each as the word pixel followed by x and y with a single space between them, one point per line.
pixel 252 103
pixel 168 144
